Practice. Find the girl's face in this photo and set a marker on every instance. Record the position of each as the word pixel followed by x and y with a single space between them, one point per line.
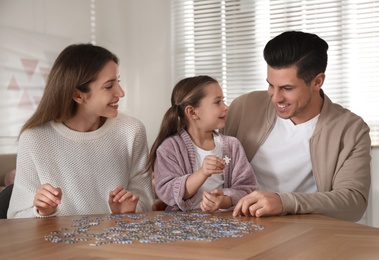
pixel 212 109
pixel 105 92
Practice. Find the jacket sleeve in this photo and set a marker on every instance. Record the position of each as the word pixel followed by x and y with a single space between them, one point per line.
pixel 341 168
pixel 171 170
pixel 240 179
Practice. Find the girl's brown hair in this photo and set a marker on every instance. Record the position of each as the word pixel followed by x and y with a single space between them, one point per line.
pixel 187 92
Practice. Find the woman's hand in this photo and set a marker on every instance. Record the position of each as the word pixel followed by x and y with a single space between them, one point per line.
pixel 122 201
pixel 47 199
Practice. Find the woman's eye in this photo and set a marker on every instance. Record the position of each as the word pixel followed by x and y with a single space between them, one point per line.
pixel 109 87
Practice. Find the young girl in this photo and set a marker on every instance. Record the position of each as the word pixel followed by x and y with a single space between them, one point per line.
pixel 194 166
pixel 77 154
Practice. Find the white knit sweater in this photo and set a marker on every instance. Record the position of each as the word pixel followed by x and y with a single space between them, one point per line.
pixel 85 165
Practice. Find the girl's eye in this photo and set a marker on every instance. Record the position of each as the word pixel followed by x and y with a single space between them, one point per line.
pixel 109 87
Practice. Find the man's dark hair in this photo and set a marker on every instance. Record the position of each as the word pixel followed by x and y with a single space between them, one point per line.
pixel 306 51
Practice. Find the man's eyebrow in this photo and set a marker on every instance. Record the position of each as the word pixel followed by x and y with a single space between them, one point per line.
pixel 283 86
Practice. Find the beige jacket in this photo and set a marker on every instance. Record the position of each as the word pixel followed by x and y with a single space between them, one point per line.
pixel 340 154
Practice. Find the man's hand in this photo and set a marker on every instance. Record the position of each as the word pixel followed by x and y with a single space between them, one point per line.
pixel 259 204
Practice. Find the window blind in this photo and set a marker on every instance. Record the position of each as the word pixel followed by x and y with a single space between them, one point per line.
pixel 225 40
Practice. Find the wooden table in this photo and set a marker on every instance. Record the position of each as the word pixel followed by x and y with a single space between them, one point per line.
pixel 283 237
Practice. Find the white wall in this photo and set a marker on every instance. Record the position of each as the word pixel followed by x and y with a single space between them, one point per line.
pixel 138 31
pixel 373 207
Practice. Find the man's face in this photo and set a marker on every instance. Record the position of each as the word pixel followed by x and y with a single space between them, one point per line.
pixel 292 98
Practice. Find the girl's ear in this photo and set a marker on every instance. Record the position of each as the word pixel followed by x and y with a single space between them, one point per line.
pixel 190 112
pixel 78 97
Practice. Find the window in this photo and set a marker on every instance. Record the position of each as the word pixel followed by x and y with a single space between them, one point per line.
pixel 225 39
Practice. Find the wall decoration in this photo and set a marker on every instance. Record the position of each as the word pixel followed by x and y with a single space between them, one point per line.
pixel 25 61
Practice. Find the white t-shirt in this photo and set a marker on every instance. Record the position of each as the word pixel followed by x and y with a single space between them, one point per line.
pixel 283 162
pixel 216 181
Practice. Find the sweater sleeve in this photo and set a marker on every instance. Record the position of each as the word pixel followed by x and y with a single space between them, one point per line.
pixel 140 182
pixel 26 181
pixel 239 179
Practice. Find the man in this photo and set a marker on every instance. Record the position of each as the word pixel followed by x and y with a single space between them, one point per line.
pixel 309 155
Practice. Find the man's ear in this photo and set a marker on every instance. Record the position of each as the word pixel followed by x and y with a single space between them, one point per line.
pixel 318 81
pixel 78 97
pixel 190 112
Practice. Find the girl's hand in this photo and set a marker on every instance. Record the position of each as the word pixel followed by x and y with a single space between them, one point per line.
pixel 212 165
pixel 122 201
pixel 47 199
pixel 212 201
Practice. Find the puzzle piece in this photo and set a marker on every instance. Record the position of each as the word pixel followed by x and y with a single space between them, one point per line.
pixel 226 160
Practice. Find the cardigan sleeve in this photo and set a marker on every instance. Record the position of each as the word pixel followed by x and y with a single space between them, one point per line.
pixel 239 177
pixel 171 170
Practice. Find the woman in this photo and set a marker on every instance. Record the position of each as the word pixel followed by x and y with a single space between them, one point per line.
pixel 77 154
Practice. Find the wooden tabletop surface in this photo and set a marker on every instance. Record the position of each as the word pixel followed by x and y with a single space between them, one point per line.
pixel 283 237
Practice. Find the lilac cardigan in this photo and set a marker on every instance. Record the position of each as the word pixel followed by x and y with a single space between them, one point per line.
pixel 175 161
